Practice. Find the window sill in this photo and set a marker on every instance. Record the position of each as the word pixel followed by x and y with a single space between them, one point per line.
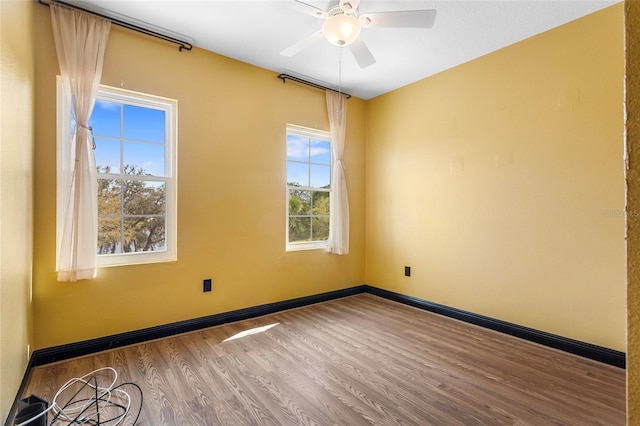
pixel 107 261
pixel 316 245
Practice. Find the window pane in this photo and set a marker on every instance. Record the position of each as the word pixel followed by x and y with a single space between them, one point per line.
pixel 320 203
pixel 143 159
pixel 144 124
pixel 109 197
pixel 107 156
pixel 144 234
pixel 299 229
pixel 309 185
pixel 297 174
pixel 299 202
pixel 320 152
pixel 297 148
pixel 320 176
pixel 143 197
pixel 137 127
pixel 105 118
pixel 320 228
pixel 109 235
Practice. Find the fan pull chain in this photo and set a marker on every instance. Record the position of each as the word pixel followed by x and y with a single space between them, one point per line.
pixel 339 110
pixel 340 72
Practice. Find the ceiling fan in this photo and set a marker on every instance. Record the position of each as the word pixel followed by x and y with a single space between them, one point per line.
pixel 342 25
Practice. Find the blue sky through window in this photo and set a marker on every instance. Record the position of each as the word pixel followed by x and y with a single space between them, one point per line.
pixel 108 155
pixel 144 124
pixel 308 161
pixel 138 137
pixel 105 118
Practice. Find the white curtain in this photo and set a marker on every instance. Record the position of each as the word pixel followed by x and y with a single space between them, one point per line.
pixel 339 206
pixel 80 40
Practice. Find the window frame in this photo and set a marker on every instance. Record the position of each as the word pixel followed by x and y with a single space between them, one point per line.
pixel 129 97
pixel 316 134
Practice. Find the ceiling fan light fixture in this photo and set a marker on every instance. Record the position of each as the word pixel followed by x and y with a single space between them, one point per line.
pixel 341 29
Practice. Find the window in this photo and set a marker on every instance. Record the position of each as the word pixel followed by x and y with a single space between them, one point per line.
pixel 308 188
pixel 135 150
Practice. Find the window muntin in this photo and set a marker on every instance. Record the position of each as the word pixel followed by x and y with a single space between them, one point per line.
pixel 135 137
pixel 308 188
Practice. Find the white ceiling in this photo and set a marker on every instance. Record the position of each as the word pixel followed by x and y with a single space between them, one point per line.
pixel 256 31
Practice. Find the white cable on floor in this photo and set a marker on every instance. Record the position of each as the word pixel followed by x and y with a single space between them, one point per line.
pixel 73 410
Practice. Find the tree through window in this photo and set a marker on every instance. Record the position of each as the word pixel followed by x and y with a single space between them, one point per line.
pixel 308 187
pixel 135 149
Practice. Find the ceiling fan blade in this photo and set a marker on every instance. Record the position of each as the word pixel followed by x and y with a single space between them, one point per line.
pixel 362 53
pixel 400 19
pixel 302 44
pixel 349 5
pixel 307 8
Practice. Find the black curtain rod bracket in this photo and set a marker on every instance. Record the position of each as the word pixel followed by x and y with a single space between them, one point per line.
pixel 285 77
pixel 182 45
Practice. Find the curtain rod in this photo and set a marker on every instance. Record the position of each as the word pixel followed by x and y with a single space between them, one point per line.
pixel 181 44
pixel 285 77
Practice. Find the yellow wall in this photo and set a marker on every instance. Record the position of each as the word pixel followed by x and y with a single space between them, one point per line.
pixel 632 59
pixel 16 192
pixel 501 183
pixel 231 194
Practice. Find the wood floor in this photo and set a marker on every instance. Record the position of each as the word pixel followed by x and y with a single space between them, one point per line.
pixel 354 361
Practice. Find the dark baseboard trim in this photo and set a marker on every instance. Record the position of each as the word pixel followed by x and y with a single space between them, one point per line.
pixel 576 347
pixel 72 350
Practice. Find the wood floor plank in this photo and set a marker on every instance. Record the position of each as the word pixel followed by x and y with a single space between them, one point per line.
pixel 354 361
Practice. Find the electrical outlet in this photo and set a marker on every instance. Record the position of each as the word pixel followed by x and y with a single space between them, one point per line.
pixel 206 285
pixel 407 271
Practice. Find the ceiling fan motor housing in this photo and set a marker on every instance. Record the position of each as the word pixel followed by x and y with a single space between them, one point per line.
pixel 341 27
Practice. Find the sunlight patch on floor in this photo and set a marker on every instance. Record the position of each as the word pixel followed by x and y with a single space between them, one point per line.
pixel 251 331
